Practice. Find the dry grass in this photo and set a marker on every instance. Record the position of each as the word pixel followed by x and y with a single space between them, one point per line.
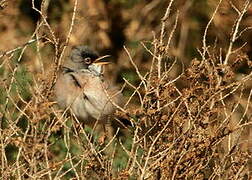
pixel 192 123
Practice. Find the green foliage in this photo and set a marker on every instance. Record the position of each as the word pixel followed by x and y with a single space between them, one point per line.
pixel 11 153
pixel 23 83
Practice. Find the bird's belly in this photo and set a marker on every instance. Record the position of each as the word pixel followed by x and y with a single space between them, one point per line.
pixel 79 110
pixel 89 103
pixel 86 111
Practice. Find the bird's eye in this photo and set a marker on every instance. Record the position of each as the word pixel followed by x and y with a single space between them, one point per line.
pixel 87 60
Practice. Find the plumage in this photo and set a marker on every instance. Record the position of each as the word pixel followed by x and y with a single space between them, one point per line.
pixel 82 88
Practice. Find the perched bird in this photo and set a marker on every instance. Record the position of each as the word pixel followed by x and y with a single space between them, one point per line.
pixel 81 87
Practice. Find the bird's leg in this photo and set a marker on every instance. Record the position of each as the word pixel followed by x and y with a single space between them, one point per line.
pixel 106 131
pixel 102 135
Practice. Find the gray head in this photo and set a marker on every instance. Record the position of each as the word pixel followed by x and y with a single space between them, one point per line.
pixel 81 57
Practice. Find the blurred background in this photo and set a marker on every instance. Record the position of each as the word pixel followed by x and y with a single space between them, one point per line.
pixel 108 25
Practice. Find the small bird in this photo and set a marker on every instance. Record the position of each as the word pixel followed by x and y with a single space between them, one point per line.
pixel 81 87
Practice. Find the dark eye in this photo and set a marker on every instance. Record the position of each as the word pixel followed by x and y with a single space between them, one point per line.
pixel 88 60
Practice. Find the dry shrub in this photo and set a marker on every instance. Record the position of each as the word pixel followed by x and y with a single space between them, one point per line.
pixel 186 139
pixel 192 125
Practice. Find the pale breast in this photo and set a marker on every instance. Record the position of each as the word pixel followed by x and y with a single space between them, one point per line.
pixel 88 96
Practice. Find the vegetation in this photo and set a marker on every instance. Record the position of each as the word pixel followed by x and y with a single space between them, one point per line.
pixel 185 71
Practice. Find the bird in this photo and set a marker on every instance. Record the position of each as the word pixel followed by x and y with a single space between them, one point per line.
pixel 82 88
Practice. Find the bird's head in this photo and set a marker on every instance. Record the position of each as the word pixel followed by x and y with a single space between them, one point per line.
pixel 82 57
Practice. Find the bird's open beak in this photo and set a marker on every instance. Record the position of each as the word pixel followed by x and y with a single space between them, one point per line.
pixel 102 60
